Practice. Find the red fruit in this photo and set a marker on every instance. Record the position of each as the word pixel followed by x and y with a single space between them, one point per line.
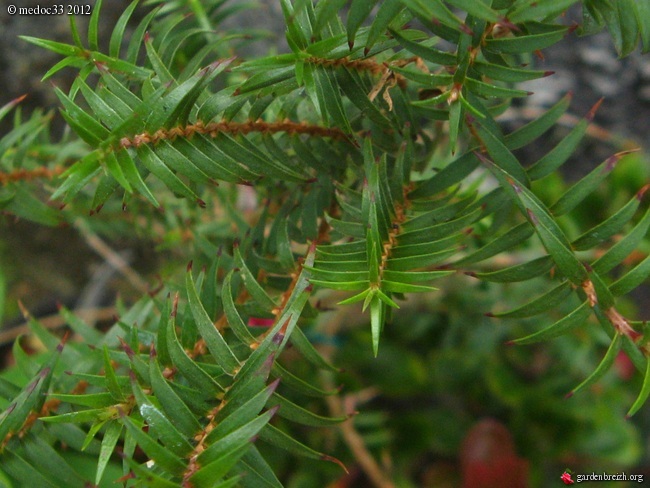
pixel 488 458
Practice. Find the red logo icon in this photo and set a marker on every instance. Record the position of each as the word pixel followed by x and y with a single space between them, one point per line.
pixel 566 477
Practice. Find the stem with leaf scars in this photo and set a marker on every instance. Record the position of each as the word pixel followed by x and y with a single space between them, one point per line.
pixel 213 129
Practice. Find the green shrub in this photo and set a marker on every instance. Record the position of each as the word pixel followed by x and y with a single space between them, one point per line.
pixel 352 173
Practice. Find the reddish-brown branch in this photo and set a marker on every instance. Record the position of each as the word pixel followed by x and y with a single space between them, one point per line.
pixel 201 437
pixel 193 466
pixel 400 218
pixel 30 174
pixel 620 323
pixel 368 65
pixel 213 129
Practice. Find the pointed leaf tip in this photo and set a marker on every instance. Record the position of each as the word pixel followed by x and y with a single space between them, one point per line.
pixel 592 112
pixel 274 384
pixel 643 394
pixel 641 192
pixel 189 266
pixel 126 348
pixel 568 395
pixel 61 344
pixel 17 100
pixel 332 459
pixel 611 161
pixel 23 310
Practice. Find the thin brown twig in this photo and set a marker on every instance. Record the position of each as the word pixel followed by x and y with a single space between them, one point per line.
pixel 344 406
pixel 112 257
pixel 56 321
pixel 339 406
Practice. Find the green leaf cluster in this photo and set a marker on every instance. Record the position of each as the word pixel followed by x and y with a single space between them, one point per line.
pixel 376 147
